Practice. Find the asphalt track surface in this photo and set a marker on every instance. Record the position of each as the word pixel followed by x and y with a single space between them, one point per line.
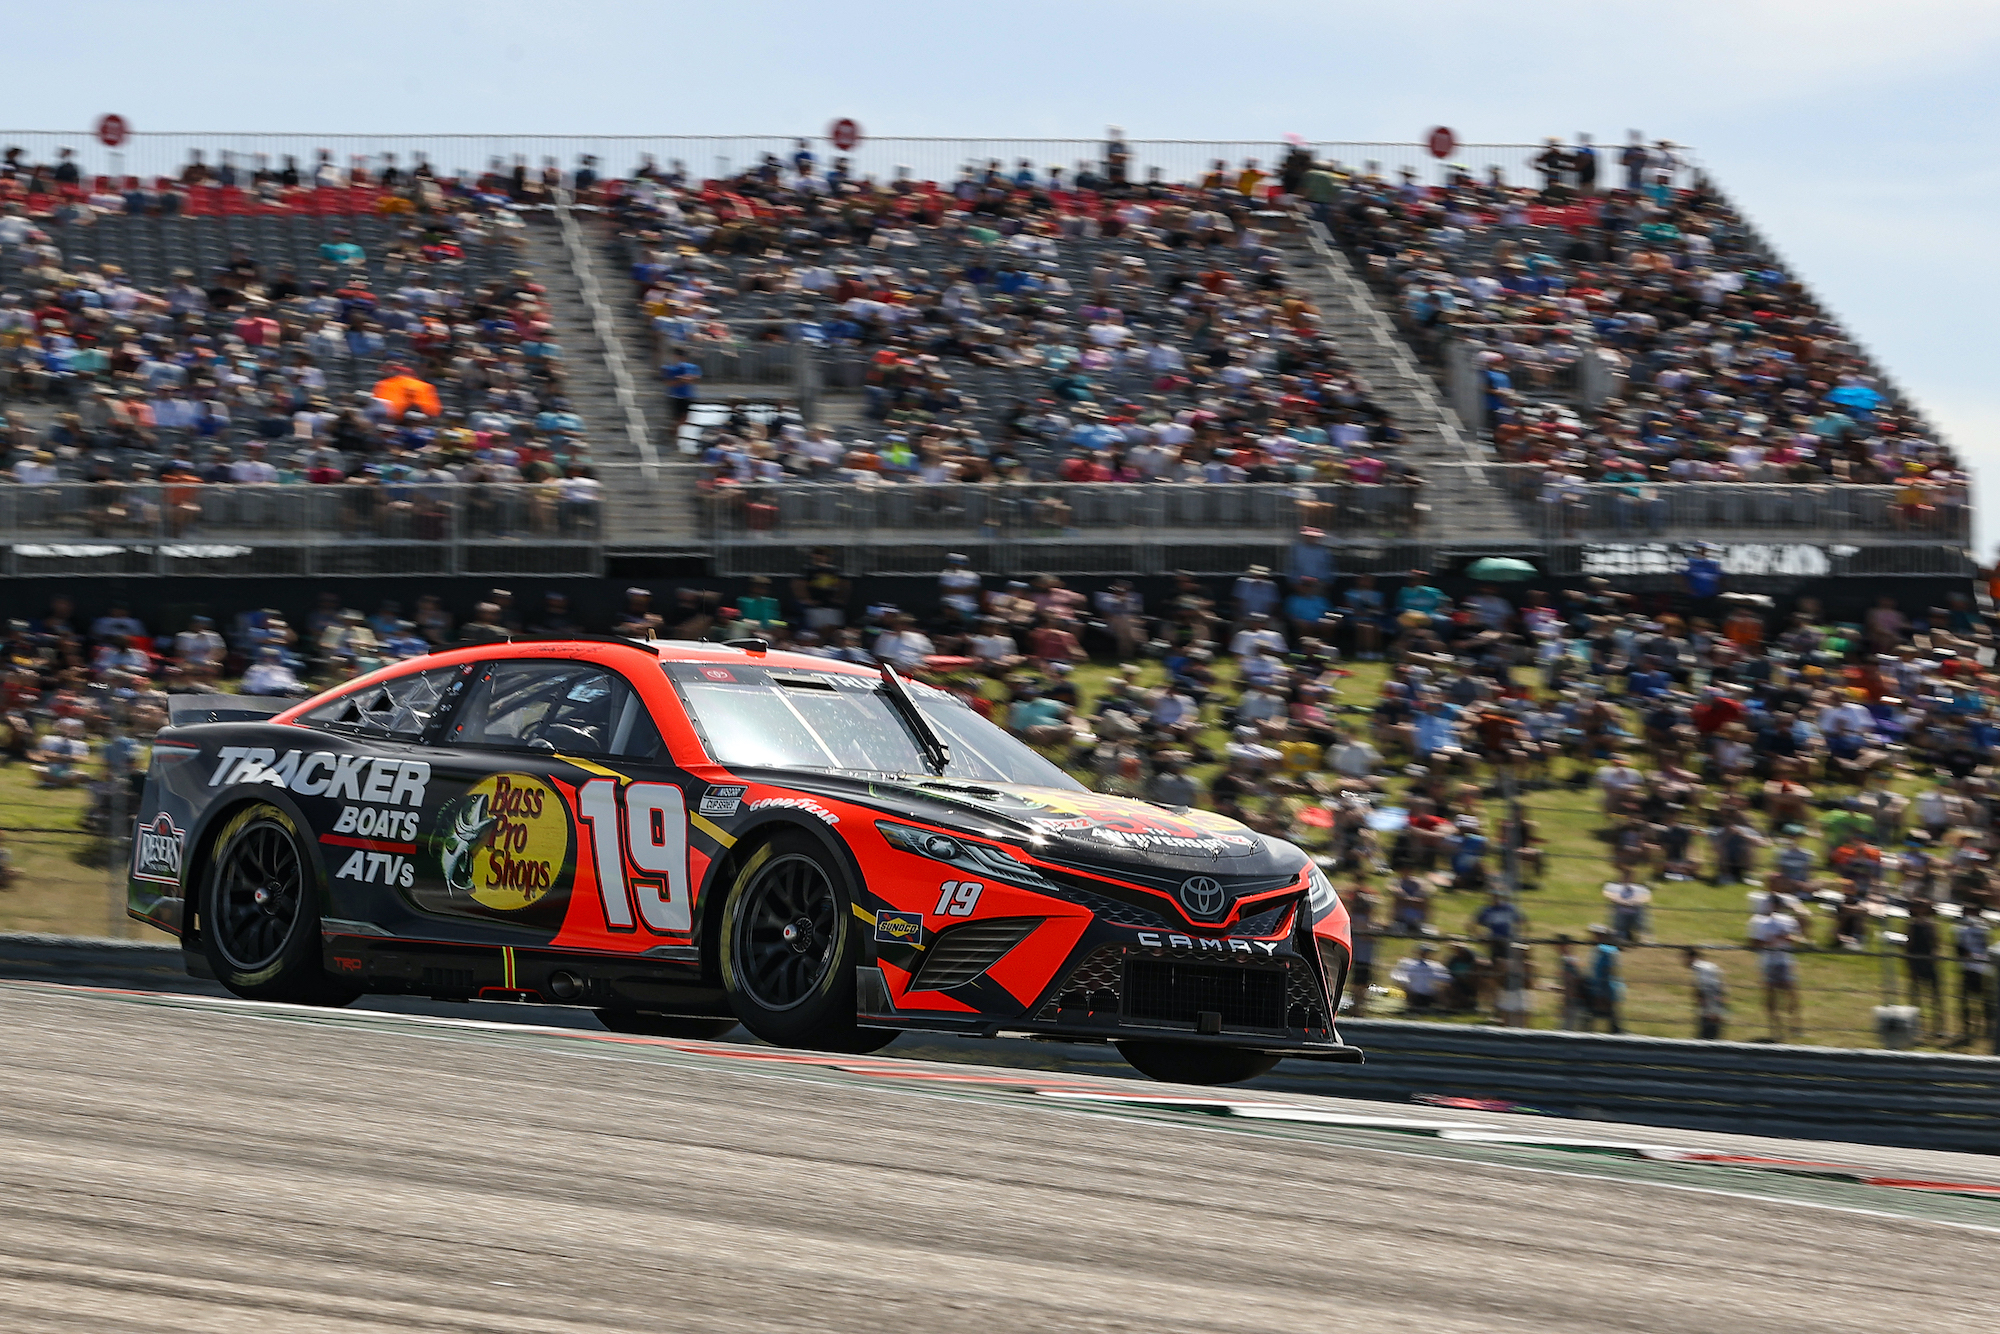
pixel 187 1163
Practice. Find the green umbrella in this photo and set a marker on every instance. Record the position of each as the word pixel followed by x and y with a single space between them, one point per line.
pixel 1501 569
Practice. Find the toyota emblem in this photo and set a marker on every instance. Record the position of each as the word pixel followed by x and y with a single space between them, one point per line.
pixel 1202 895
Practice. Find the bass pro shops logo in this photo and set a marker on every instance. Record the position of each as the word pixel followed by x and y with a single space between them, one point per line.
pixel 505 843
pixel 1202 895
pixel 156 851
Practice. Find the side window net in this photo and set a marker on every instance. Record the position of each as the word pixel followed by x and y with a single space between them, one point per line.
pixel 400 708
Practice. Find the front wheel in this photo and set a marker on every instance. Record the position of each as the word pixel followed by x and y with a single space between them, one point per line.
pixel 790 948
pixel 260 912
pixel 664 1025
pixel 1187 1063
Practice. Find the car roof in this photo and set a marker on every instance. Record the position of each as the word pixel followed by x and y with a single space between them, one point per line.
pixel 590 648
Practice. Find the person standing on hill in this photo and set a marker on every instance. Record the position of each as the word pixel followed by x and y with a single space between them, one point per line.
pixel 1774 934
pixel 1607 988
pixel 1711 1002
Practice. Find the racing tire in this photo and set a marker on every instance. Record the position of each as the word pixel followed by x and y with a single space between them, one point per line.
pixel 790 946
pixel 260 912
pixel 664 1025
pixel 1187 1063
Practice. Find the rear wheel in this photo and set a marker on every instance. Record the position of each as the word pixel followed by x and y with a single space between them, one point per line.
pixel 664 1025
pixel 260 912
pixel 1188 1063
pixel 790 948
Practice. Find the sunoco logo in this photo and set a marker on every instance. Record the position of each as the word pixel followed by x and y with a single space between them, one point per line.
pixel 1202 895
pixel 898 927
pixel 156 851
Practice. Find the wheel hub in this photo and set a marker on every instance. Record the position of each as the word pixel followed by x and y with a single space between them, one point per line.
pixel 799 935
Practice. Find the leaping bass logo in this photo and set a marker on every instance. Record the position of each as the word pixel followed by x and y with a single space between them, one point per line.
pixel 156 851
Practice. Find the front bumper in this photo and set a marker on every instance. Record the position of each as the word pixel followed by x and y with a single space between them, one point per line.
pixel 1101 1015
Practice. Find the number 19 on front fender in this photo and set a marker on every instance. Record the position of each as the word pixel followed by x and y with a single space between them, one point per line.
pixel 638 838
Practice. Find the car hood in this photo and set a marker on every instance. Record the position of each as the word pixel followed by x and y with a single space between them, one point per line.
pixel 1062 825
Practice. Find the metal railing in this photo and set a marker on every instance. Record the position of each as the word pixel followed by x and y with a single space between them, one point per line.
pixel 836 511
pixel 393 528
pixel 1722 510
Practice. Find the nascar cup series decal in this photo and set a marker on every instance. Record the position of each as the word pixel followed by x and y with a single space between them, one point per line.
pixel 505 842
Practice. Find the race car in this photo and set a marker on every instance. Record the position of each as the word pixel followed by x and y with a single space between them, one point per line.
pixel 681 836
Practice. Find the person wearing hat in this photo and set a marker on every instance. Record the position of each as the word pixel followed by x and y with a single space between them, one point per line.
pixel 1254 595
pixel 1310 558
pixel 638 620
pixel 959 585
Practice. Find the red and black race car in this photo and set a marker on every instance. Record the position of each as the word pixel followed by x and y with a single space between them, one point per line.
pixel 681 836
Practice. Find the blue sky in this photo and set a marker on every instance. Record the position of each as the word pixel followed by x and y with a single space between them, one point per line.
pixel 1855 134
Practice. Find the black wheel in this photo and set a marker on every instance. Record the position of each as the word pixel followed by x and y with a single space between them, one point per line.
pixel 1187 1063
pixel 790 948
pixel 260 912
pixel 664 1025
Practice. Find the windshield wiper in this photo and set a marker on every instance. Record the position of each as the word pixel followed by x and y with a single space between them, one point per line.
pixel 936 752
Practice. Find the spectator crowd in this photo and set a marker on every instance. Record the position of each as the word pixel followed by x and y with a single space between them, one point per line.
pixel 290 354
pixel 1014 323
pixel 1719 364
pixel 1839 771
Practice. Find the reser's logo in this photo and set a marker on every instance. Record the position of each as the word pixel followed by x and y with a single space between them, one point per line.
pixel 156 851
pixel 1201 895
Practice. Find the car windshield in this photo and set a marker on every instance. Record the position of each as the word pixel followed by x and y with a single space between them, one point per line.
pixel 772 717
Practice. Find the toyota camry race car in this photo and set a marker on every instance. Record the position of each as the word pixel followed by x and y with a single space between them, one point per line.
pixel 682 836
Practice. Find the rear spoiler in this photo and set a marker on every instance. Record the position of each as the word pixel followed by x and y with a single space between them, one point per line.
pixel 193 710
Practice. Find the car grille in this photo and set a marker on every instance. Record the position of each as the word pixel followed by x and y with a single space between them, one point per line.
pixel 1113 902
pixel 1305 1001
pixel 1172 992
pixel 1264 923
pixel 961 953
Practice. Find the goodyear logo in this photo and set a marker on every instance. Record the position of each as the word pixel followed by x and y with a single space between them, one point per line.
pixel 894 928
pixel 504 844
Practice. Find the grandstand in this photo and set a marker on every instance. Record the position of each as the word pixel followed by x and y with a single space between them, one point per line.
pixel 1084 375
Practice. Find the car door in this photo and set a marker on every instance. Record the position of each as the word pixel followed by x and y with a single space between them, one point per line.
pixel 545 770
pixel 368 792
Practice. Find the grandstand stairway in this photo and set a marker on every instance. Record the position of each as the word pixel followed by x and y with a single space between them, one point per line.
pixel 639 513
pixel 1467 509
pixel 592 394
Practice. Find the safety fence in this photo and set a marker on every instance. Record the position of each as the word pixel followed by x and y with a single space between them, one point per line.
pixel 1757 531
pixel 1026 509
pixel 1840 994
pixel 151 155
pixel 1563 507
pixel 1912 1099
pixel 392 527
